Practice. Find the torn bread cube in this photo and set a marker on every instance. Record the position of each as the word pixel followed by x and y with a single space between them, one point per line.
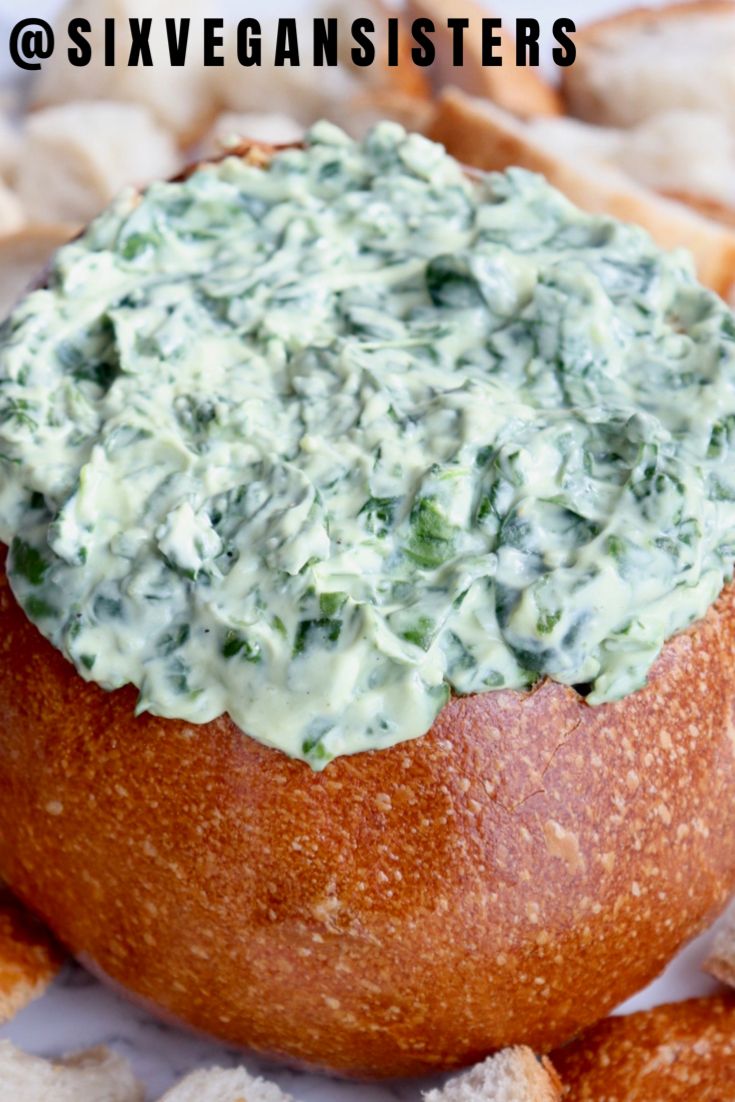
pixel 681 153
pixel 77 157
pixel 687 154
pixel 218 1085
pixel 647 60
pixel 303 93
pixel 97 1075
pixel 517 88
pixel 29 960
pixel 511 1075
pixel 179 97
pixel 345 94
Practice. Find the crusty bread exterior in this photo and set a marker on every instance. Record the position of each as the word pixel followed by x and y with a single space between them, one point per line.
pixel 28 958
pixel 589 94
pixel 507 878
pixel 518 89
pixel 479 134
pixel 679 1052
pixel 511 1075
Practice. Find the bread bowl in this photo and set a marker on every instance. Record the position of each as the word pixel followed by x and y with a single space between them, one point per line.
pixel 506 877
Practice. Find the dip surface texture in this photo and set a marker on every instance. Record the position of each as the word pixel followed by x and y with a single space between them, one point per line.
pixel 317 444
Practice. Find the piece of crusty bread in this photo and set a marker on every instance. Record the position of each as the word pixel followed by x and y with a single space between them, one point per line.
pixel 346 94
pixel 511 1075
pixel 29 960
pixel 647 60
pixel 303 93
pixel 218 1085
pixel 518 89
pixel 97 1075
pixel 678 1052
pixel 480 134
pixel 76 157
pixel 687 155
pixel 180 98
pixel 23 255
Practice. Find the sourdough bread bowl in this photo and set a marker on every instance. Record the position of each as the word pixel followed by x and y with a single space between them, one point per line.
pixel 510 876
pixel 506 877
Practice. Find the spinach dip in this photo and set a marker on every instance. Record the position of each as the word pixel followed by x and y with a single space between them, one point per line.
pixel 320 443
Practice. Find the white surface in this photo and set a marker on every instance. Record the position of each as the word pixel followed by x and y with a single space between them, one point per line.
pixel 79 1012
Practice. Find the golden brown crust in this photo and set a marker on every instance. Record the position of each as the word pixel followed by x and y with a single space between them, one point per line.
pixel 28 958
pixel 680 1052
pixel 507 878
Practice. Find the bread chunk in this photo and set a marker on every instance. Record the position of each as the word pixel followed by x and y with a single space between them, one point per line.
pixel 77 157
pixel 218 1085
pixel 519 89
pixel 648 60
pixel 511 1075
pixel 679 1051
pixel 179 98
pixel 96 1075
